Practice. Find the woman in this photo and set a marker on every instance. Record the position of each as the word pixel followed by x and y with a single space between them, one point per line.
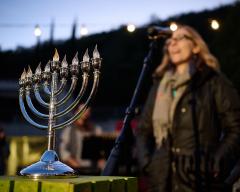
pixel 188 138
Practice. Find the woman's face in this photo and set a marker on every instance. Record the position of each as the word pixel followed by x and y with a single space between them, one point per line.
pixel 180 47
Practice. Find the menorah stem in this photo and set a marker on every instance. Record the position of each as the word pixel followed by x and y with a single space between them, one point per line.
pixel 52 112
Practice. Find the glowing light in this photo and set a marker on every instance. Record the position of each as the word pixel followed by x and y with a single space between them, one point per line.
pixel 96 54
pixel 75 60
pixel 215 24
pixel 23 76
pixel 86 56
pixel 38 70
pixel 56 55
pixel 64 62
pixel 29 72
pixel 47 67
pixel 131 28
pixel 173 26
pixel 83 31
pixel 37 31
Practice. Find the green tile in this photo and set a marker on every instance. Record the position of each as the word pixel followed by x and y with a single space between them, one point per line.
pixel 66 185
pixel 6 185
pixel 26 185
pixel 131 184
pixel 78 184
pixel 82 187
pixel 48 186
pixel 117 185
pixel 100 186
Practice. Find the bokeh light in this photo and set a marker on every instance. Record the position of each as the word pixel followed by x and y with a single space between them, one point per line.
pixel 83 30
pixel 37 31
pixel 215 24
pixel 131 28
pixel 173 26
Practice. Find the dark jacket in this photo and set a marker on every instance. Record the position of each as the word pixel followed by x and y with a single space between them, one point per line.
pixel 217 109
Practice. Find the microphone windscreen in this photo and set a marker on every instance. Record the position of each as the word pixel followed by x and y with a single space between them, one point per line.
pixel 155 32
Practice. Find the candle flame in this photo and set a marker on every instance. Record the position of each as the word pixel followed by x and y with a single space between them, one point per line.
pixel 86 56
pixel 56 56
pixel 64 62
pixel 23 76
pixel 96 54
pixel 47 67
pixel 38 70
pixel 75 60
pixel 29 72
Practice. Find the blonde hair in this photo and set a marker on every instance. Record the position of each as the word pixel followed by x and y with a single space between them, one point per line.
pixel 204 56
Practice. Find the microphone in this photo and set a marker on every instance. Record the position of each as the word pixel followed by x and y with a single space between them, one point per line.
pixel 155 32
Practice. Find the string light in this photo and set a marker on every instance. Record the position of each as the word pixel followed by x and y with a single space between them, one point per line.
pixel 83 30
pixel 215 24
pixel 37 31
pixel 131 28
pixel 173 26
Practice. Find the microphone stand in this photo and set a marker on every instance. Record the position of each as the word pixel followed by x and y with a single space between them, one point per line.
pixel 126 138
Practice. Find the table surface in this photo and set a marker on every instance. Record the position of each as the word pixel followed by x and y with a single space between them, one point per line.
pixel 78 184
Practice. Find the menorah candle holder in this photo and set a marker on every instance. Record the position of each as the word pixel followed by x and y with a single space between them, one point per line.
pixel 49 83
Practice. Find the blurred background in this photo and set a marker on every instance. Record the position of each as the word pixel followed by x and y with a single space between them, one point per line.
pixel 31 30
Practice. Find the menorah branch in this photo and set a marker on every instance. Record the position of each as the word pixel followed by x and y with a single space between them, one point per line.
pixel 78 98
pixel 33 109
pixel 46 88
pixel 61 88
pixel 26 116
pixel 69 93
pixel 39 98
pixel 84 107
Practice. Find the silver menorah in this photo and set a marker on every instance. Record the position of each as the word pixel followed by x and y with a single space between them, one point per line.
pixel 49 83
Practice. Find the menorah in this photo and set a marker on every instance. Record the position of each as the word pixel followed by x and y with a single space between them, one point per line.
pixel 49 84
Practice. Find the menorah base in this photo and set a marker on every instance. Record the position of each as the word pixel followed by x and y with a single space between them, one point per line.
pixel 49 166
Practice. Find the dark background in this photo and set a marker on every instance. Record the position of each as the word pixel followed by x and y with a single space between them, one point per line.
pixel 123 54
